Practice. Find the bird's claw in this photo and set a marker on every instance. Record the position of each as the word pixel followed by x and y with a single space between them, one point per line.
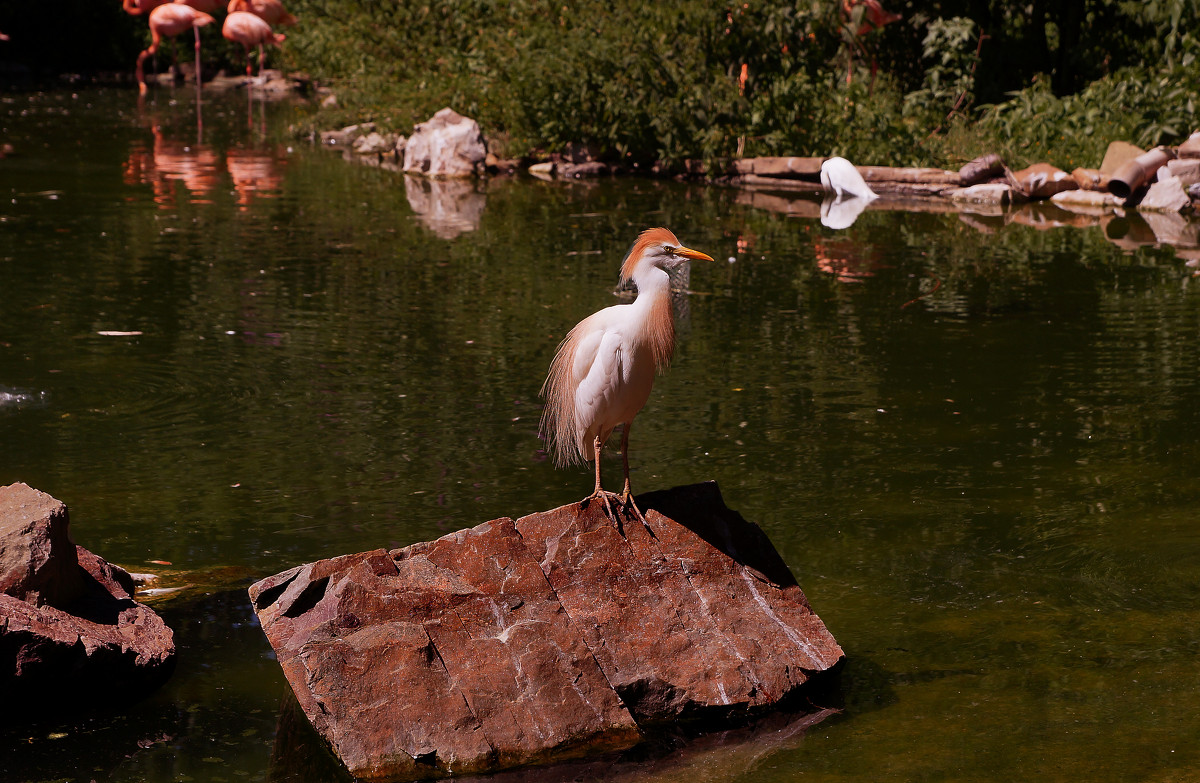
pixel 626 499
pixel 624 502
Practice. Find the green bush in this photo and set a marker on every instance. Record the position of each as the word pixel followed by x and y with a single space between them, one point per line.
pixel 656 83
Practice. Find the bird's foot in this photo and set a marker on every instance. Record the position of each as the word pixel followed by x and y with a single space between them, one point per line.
pixel 626 500
pixel 614 503
pixel 604 497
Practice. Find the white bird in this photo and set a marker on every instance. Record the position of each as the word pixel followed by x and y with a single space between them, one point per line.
pixel 840 176
pixel 603 371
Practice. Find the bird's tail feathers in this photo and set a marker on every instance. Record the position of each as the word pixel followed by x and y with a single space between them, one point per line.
pixel 558 417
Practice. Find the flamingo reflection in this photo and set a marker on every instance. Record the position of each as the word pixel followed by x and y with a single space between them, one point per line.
pixel 847 260
pixel 169 164
pixel 255 175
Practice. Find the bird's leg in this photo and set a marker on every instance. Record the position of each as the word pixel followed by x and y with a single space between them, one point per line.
pixel 141 74
pixel 627 493
pixel 598 493
pixel 196 30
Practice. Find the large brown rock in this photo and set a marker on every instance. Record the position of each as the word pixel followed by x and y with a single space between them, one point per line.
pixel 71 635
pixel 517 643
pixel 685 617
pixel 447 657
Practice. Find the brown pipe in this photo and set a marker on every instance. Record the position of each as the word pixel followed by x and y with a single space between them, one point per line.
pixel 1134 173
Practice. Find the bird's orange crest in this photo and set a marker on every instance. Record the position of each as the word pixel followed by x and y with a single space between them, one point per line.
pixel 651 236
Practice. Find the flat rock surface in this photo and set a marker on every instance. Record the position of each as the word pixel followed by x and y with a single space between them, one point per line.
pixel 548 638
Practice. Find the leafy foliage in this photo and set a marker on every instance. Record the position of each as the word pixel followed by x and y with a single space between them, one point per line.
pixel 660 84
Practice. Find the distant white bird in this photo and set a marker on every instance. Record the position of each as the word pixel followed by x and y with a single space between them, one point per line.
pixel 840 176
pixel 604 369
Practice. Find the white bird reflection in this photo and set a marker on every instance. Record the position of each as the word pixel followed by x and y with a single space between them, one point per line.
pixel 838 213
pixel 847 193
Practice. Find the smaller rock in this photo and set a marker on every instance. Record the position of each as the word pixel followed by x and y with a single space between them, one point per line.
pixel 375 143
pixel 1090 200
pixel 1187 170
pixel 1118 154
pixel 543 170
pixel 71 635
pixel 981 170
pixel 1190 148
pixel 987 193
pixel 1090 179
pixel 1041 180
pixel 1166 195
pixel 446 145
pixel 582 170
pixel 330 101
pixel 38 563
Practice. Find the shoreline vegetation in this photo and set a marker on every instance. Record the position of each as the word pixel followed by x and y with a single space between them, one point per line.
pixel 696 86
pixel 673 90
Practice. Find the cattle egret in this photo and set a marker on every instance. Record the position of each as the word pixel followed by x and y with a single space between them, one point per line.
pixel 603 371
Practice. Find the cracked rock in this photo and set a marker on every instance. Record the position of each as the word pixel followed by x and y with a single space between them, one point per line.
pixel 559 635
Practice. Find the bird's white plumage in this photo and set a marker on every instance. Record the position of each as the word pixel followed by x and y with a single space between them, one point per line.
pixel 840 176
pixel 604 370
pixel 612 375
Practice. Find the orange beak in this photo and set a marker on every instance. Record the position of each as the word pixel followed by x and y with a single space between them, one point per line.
pixel 695 255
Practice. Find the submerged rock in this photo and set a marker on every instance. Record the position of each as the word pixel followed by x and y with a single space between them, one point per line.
pixel 71 635
pixel 554 636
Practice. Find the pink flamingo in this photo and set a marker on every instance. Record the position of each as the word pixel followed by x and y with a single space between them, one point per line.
pixel 250 30
pixel 171 19
pixel 270 11
pixel 138 7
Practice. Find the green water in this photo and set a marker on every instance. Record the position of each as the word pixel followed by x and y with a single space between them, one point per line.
pixel 975 449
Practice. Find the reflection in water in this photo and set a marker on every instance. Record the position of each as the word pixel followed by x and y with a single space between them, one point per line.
pixel 20 398
pixel 170 163
pixel 448 207
pixel 989 494
pixel 849 260
pixel 841 212
pixel 677 753
pixel 1127 229
pixel 255 174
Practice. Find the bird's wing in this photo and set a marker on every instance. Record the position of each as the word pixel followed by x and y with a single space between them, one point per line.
pixel 570 366
pixel 598 372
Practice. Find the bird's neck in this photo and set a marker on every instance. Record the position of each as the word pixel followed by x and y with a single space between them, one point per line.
pixel 652 309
